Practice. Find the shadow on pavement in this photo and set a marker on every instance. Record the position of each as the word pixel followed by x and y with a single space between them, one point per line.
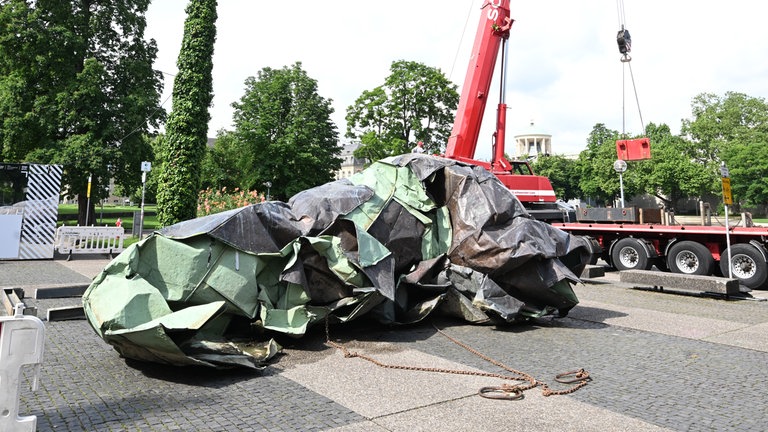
pixel 194 375
pixel 597 315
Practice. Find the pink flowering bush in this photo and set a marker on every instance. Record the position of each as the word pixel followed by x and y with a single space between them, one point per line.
pixel 210 201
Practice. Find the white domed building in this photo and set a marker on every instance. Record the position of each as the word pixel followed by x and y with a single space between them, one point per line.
pixel 533 143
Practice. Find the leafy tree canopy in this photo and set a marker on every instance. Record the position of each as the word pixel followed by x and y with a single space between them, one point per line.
pixel 733 129
pixel 674 171
pixel 221 166
pixel 597 178
pixel 415 103
pixel 284 133
pixel 721 120
pixel 562 173
pixel 77 88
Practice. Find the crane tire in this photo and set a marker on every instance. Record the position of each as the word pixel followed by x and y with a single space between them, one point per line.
pixel 690 257
pixel 630 254
pixel 749 266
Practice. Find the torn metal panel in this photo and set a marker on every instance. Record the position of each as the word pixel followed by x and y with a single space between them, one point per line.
pixel 409 236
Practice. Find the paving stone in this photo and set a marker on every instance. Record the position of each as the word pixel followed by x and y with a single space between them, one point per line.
pixel 645 377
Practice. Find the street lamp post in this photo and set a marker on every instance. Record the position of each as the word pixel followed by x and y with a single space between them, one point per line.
pixel 620 166
pixel 268 185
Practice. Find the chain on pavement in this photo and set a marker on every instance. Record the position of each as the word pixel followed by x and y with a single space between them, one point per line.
pixel 579 378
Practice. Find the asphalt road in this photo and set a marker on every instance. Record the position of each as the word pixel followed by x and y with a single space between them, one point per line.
pixel 658 361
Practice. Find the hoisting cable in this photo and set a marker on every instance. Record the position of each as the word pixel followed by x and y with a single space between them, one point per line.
pixel 637 100
pixel 461 39
pixel 624 41
pixel 577 378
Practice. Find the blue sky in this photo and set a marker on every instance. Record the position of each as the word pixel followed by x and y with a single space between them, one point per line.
pixel 564 69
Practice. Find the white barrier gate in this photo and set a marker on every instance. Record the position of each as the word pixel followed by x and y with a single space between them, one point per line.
pixel 89 239
pixel 22 340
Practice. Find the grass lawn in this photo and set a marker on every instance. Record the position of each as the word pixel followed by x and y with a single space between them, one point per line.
pixel 107 216
pixel 72 208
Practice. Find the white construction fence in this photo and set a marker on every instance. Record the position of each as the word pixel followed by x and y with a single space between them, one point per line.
pixel 89 240
pixel 22 340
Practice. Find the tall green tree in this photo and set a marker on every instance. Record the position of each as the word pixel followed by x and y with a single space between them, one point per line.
pixel 187 129
pixel 77 88
pixel 415 103
pixel 673 172
pixel 562 172
pixel 733 129
pixel 597 178
pixel 721 120
pixel 748 166
pixel 285 133
pixel 220 167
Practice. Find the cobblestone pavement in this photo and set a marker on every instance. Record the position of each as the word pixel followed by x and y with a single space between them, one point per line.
pixel 658 362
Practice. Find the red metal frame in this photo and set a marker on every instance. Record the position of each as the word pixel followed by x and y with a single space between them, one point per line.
pixel 492 33
pixel 713 237
pixel 633 149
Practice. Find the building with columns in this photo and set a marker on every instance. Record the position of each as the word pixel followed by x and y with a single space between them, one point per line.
pixel 533 143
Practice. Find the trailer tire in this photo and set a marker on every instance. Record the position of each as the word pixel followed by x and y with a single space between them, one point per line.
pixel 630 254
pixel 749 266
pixel 689 257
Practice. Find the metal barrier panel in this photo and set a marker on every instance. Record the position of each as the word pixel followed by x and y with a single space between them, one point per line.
pixel 10 234
pixel 91 239
pixel 22 341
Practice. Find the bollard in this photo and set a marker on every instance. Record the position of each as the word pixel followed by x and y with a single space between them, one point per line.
pixel 22 340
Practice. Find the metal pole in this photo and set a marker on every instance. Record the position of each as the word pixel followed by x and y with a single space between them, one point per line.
pixel 727 199
pixel 621 186
pixel 728 242
pixel 620 166
pixel 623 96
pixel 141 219
pixel 88 203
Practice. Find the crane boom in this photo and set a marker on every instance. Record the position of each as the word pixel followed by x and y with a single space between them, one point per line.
pixel 490 39
pixel 491 31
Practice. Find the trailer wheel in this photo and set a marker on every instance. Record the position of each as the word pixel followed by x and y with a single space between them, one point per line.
pixel 690 257
pixel 747 265
pixel 630 254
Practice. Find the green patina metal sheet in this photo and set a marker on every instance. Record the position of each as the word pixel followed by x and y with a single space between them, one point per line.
pixel 437 237
pixel 408 236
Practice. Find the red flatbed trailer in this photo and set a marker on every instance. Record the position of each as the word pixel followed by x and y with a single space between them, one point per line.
pixel 689 249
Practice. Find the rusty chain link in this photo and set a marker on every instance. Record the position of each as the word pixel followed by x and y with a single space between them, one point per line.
pixel 506 391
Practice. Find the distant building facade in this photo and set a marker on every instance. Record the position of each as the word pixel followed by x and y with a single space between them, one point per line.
pixel 349 163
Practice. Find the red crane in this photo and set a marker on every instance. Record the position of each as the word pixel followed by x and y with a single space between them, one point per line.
pixel 535 192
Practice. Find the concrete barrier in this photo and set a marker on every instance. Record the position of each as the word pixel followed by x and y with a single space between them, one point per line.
pixel 10 298
pixel 592 271
pixel 89 240
pixel 22 340
pixel 681 282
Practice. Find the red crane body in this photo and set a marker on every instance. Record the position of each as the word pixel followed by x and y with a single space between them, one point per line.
pixel 492 34
pixel 624 237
